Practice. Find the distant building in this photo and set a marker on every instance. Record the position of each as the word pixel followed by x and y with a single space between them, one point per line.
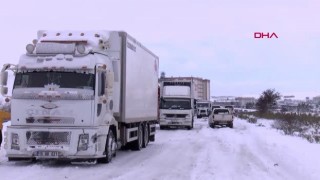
pixel 243 101
pixel 224 100
pixel 316 100
pixel 289 104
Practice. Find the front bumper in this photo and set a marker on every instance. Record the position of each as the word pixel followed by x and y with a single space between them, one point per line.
pixel 175 122
pixel 58 147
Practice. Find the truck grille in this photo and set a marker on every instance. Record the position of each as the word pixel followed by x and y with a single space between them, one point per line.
pixel 48 138
pixel 176 115
pixel 50 120
pixel 203 111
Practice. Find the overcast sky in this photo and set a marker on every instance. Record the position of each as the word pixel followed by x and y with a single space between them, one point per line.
pixel 213 39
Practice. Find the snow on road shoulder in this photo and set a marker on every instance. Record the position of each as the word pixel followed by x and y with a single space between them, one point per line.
pixel 252 152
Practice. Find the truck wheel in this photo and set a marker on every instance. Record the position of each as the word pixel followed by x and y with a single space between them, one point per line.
pixel 137 144
pixel 231 125
pixel 110 149
pixel 162 127
pixel 212 125
pixel 152 138
pixel 145 135
pixel 192 123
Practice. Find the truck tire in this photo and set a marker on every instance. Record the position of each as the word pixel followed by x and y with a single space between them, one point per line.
pixel 190 127
pixel 145 135
pixel 137 144
pixel 192 123
pixel 152 138
pixel 212 126
pixel 162 127
pixel 231 125
pixel 110 149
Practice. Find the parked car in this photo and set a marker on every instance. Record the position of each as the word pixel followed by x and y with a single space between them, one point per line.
pixel 221 116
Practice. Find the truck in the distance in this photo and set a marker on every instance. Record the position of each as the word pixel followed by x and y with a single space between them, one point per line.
pixel 203 108
pixel 81 96
pixel 176 104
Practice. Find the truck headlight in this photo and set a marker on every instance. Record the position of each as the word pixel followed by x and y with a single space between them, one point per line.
pixel 15 141
pixel 83 142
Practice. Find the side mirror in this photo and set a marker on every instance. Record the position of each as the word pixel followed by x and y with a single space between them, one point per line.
pixel 4 90
pixel 3 78
pixel 110 79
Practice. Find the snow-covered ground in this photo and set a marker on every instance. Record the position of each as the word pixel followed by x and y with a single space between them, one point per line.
pixel 245 152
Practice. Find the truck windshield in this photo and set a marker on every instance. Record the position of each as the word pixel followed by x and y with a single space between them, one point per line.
pixel 175 104
pixel 62 79
pixel 203 105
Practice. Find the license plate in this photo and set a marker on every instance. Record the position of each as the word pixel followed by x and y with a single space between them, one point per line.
pixel 47 153
pixel 175 123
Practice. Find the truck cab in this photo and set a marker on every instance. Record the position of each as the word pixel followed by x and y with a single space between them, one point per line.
pixel 176 104
pixel 203 108
pixel 73 98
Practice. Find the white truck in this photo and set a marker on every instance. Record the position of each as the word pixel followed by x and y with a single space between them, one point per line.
pixel 221 116
pixel 203 108
pixel 176 104
pixel 81 96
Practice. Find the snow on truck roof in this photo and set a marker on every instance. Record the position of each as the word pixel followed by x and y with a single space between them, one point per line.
pixel 58 49
pixel 93 38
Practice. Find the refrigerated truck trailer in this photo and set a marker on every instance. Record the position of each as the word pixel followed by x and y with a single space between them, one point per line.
pixel 81 95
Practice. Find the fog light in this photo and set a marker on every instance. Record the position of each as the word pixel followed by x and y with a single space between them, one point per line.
pixel 15 141
pixel 83 142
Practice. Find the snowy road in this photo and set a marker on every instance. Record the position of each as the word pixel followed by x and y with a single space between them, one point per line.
pixel 245 152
